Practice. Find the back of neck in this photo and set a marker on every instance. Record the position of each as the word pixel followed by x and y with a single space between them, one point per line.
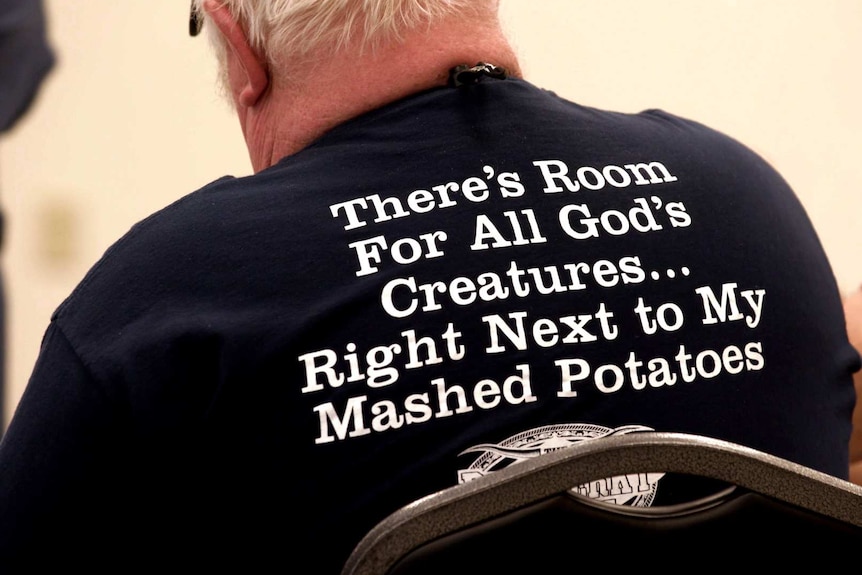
pixel 328 90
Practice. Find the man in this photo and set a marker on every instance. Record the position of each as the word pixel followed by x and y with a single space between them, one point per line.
pixel 437 270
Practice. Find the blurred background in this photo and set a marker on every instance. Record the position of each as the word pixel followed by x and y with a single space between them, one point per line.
pixel 131 119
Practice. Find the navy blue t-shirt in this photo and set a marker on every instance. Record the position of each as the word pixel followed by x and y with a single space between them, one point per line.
pixel 428 293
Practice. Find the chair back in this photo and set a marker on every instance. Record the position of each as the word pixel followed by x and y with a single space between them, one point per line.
pixel 527 518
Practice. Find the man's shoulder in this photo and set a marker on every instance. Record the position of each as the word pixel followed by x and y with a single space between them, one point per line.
pixel 178 240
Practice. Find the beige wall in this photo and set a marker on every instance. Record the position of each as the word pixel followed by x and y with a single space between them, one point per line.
pixel 130 120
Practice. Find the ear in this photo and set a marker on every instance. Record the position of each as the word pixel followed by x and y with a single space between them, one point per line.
pixel 254 78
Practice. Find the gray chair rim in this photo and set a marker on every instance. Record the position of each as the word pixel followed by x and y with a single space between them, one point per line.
pixel 558 471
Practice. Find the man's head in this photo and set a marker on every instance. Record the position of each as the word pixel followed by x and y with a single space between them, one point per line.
pixel 286 31
pixel 296 68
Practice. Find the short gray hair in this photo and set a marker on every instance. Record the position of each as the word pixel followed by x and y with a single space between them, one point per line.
pixel 280 29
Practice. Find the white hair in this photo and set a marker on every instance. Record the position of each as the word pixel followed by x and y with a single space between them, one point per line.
pixel 284 29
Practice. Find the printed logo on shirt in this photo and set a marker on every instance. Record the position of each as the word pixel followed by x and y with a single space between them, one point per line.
pixel 636 489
